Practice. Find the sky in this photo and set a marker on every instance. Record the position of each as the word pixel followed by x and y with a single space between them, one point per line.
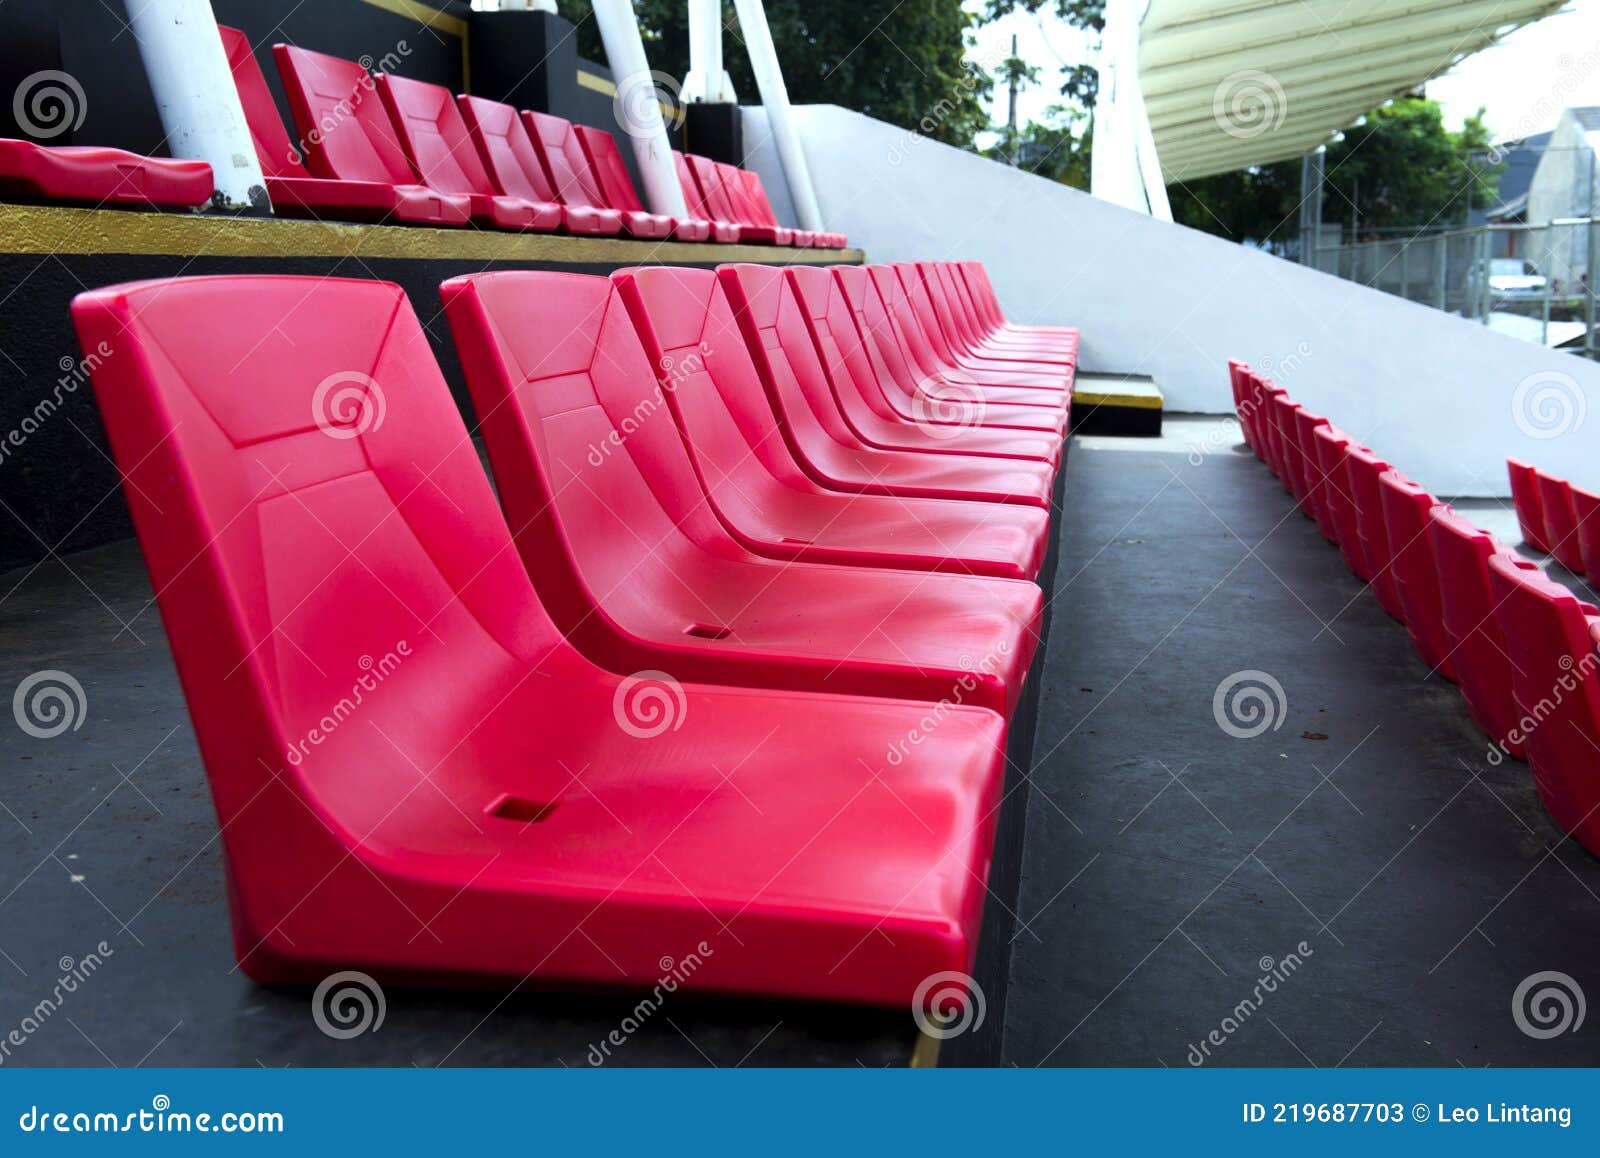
pixel 1522 82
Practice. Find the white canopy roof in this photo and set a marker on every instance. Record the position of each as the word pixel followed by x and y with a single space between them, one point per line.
pixel 1234 83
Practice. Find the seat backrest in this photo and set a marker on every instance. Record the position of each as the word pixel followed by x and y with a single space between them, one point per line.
pixel 983 294
pixel 342 123
pixel 1306 425
pixel 1332 446
pixel 588 460
pixel 693 196
pixel 1290 453
pixel 609 169
pixel 943 288
pixel 1416 573
pixel 907 329
pixel 1586 509
pixel 434 136
pixel 1478 645
pixel 277 155
pixel 756 192
pixel 851 362
pixel 308 501
pixel 504 148
pixel 877 329
pixel 689 333
pixel 715 195
pixel 1365 468
pixel 1560 521
pixel 564 162
pixel 937 327
pixel 778 333
pixel 1550 636
pixel 1530 508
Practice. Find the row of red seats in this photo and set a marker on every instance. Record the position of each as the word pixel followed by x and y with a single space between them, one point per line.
pixel 427 756
pixel 1557 518
pixel 1521 647
pixel 389 148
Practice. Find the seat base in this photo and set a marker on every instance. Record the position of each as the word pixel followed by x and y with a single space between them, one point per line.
pixel 101 176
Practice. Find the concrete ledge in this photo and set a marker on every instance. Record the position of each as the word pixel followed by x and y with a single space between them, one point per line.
pixel 1126 404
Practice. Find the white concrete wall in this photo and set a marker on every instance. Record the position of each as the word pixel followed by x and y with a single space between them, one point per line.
pixel 1443 399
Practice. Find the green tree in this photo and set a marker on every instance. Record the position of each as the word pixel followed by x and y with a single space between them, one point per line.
pixel 1080 83
pixel 1057 147
pixel 906 68
pixel 1255 206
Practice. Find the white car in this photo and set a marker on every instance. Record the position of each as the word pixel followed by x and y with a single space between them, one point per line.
pixel 1511 277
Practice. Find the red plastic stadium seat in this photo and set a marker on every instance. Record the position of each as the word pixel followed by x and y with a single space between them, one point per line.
pixel 772 506
pixel 292 190
pixel 945 340
pixel 1472 628
pixel 858 393
pixel 1560 521
pixel 770 316
pixel 605 162
pixel 1586 509
pixel 1306 425
pixel 436 142
pixel 1267 427
pixel 568 170
pixel 1551 637
pixel 513 166
pixel 722 229
pixel 634 566
pixel 1333 448
pixel 99 176
pixel 1530 508
pixel 911 398
pixel 1371 528
pixel 977 278
pixel 1286 436
pixel 348 136
pixel 730 195
pixel 1416 573
pixel 415 774
pixel 755 191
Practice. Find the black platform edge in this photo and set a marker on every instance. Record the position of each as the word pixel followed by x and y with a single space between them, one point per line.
pixel 1123 421
pixel 983 1044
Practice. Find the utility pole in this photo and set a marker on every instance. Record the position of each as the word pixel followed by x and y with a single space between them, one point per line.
pixel 1011 115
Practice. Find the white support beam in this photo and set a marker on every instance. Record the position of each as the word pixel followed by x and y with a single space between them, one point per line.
pixel 775 97
pixel 196 99
pixel 1124 167
pixel 707 80
pixel 638 107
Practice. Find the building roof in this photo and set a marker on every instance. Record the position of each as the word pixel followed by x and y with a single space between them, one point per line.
pixel 1234 83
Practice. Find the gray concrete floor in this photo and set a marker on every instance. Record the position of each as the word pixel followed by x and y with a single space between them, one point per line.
pixel 1170 866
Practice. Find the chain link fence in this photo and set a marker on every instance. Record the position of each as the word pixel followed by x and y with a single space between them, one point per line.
pixel 1529 281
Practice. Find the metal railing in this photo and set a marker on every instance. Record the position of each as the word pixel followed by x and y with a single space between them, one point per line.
pixel 1530 281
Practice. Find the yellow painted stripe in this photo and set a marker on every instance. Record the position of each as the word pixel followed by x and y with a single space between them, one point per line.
pixel 1128 401
pixel 925 1054
pixel 62 229
pixel 597 83
pixel 423 14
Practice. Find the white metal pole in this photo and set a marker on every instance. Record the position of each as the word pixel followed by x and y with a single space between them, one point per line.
pixel 638 108
pixel 707 80
pixel 769 79
pixel 199 106
pixel 1155 184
